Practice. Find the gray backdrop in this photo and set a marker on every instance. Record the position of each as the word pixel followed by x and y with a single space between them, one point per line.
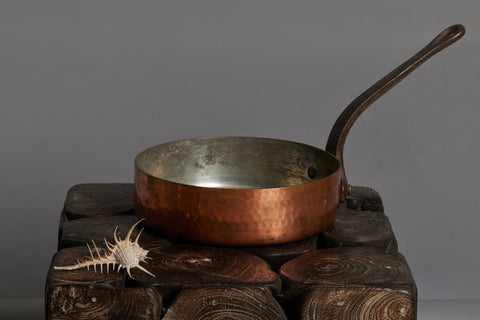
pixel 86 85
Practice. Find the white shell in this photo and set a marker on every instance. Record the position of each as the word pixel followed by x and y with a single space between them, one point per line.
pixel 125 253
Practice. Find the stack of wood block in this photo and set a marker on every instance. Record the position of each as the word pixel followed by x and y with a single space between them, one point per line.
pixel 351 271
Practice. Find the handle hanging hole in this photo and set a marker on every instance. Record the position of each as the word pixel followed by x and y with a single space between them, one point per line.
pixel 312 172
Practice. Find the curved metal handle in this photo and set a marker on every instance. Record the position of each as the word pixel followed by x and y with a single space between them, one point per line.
pixel 339 132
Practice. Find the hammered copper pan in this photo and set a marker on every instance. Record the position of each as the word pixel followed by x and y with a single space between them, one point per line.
pixel 247 191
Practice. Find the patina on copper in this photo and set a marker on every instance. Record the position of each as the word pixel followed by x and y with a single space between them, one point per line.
pixel 255 191
pixel 225 190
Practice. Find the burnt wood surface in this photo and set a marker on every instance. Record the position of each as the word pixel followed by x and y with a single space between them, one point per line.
pixel 349 266
pixel 182 266
pixel 349 283
pixel 235 303
pixel 351 271
pixel 99 199
pixel 360 222
pixel 355 303
pixel 77 301
pixel 277 255
pixel 364 198
pixel 78 232
pixel 86 294
pixel 354 228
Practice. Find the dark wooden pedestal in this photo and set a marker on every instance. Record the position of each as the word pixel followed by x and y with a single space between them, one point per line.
pixel 352 271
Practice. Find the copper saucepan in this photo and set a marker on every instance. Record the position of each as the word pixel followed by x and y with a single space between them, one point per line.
pixel 247 191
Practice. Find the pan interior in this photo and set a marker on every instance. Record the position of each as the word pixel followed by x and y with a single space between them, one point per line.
pixel 237 163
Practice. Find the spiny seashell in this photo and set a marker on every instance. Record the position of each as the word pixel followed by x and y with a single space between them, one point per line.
pixel 125 253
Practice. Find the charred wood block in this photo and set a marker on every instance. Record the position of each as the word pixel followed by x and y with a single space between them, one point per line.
pixel 356 303
pixel 277 255
pixel 364 198
pixel 348 266
pixel 77 301
pixel 90 294
pixel 359 228
pixel 180 266
pixel 80 231
pixel 356 273
pixel 99 199
pixel 239 303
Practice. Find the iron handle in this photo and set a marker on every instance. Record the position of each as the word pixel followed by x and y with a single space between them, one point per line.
pixel 343 124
